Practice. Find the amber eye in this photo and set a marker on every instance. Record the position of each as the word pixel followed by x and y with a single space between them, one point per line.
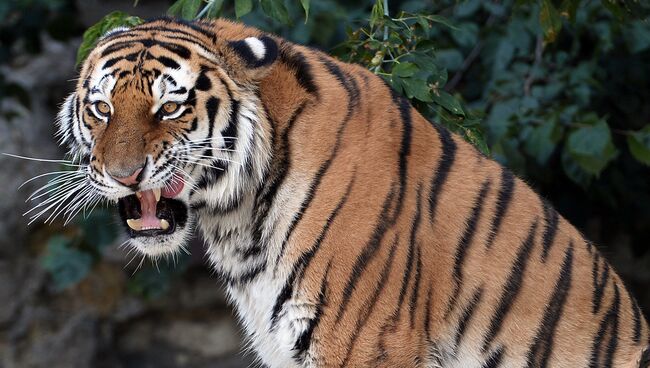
pixel 169 108
pixel 103 108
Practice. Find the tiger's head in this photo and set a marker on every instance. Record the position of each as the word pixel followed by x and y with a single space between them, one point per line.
pixel 167 115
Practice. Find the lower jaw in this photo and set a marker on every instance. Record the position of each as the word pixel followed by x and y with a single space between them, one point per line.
pixel 174 211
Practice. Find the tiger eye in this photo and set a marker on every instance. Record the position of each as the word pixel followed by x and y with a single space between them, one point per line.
pixel 103 108
pixel 170 107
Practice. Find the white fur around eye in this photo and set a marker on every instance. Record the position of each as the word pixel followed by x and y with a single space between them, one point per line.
pixel 98 115
pixel 176 114
pixel 256 46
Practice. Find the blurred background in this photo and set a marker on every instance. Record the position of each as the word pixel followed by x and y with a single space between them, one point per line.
pixel 559 91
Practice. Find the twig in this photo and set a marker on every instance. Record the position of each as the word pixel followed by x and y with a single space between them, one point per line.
pixel 469 60
pixel 385 14
pixel 463 68
pixel 530 78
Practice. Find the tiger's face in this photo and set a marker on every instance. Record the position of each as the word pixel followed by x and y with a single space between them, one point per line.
pixel 165 117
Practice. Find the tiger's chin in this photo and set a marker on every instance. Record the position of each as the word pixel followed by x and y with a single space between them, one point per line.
pixel 156 225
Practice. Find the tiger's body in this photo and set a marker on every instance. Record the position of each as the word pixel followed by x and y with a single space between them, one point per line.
pixel 350 230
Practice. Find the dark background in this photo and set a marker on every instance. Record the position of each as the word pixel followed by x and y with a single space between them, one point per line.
pixel 568 111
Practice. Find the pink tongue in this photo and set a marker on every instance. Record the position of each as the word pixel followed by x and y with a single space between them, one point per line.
pixel 175 186
pixel 148 207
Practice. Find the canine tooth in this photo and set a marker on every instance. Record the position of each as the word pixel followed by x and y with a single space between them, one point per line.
pixel 138 194
pixel 135 224
pixel 164 224
pixel 156 192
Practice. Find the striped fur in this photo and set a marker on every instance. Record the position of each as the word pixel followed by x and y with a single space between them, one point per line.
pixel 350 230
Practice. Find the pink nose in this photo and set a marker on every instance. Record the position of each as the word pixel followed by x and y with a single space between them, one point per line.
pixel 131 179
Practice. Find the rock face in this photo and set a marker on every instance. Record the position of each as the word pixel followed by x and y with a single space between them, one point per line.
pixel 98 322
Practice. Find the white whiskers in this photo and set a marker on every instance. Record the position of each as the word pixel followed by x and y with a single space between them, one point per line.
pixel 66 194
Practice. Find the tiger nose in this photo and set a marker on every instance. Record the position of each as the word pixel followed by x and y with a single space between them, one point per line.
pixel 130 179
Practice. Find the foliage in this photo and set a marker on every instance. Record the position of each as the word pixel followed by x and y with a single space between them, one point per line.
pixel 93 34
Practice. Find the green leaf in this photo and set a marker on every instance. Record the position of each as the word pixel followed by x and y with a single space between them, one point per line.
pixel 416 88
pixel 191 9
pixel 639 145
pixel 215 9
pixel 504 54
pixel 591 147
pixel 95 32
pixel 541 142
pixel 186 9
pixel 276 10
pixel 637 36
pixel 466 8
pixel 66 265
pixel 243 7
pixel 405 69
pixel 467 35
pixel 549 19
pixel 448 101
pixel 305 7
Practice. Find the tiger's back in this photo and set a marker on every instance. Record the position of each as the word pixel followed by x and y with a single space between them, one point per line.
pixel 374 237
pixel 422 252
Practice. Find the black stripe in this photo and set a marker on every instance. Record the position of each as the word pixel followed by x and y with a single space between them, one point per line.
pixel 416 286
pixel 304 340
pixel 608 330
pixel 210 175
pixel 503 201
pixel 180 50
pixel 494 360
pixel 367 253
pixel 282 152
pixel 444 167
pixel 407 269
pixel 405 146
pixel 306 257
pixel 427 315
pixel 464 243
pixel 116 47
pixel 465 319
pixel 352 89
pixel 297 62
pixel 346 80
pixel 550 229
pixel 230 132
pixel 410 253
pixel 540 351
pixel 512 287
pixel 599 284
pixel 180 91
pixel 203 82
pixel 168 62
pixel 370 304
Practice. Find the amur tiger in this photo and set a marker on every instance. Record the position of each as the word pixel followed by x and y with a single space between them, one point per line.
pixel 349 230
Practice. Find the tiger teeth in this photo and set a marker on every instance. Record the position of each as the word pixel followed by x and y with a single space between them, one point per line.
pixel 138 194
pixel 156 192
pixel 164 224
pixel 135 224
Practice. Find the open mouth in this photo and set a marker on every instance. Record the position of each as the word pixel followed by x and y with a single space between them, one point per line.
pixel 153 212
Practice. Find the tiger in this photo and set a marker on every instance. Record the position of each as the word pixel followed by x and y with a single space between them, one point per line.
pixel 349 230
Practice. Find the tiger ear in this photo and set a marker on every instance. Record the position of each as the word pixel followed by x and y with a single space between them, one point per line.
pixel 256 54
